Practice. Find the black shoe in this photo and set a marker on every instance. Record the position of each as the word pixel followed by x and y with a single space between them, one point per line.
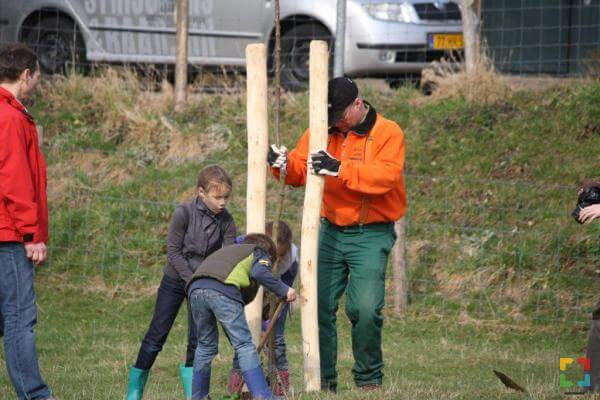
pixel 329 387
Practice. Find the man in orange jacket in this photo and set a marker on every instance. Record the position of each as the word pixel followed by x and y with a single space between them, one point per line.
pixel 23 220
pixel 364 195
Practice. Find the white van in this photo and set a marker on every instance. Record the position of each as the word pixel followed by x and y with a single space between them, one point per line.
pixel 383 38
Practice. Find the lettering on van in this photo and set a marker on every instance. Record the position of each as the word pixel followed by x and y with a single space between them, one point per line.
pixel 151 14
pixel 145 7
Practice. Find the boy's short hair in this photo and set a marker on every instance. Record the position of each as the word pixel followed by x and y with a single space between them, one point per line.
pixel 284 236
pixel 264 242
pixel 14 59
pixel 213 176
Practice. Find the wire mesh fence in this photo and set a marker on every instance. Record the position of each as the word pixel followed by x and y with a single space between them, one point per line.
pixel 502 252
pixel 389 40
pixel 543 37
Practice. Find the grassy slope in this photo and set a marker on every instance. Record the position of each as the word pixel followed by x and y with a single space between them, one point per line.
pixel 494 259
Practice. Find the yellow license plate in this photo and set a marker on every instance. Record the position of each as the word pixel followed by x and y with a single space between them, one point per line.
pixel 444 41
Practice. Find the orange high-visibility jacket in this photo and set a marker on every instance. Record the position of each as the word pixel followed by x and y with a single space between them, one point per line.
pixel 370 186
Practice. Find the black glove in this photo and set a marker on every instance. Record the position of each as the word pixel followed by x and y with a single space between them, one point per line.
pixel 322 163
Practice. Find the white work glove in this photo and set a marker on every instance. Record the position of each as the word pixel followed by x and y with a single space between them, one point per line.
pixel 277 157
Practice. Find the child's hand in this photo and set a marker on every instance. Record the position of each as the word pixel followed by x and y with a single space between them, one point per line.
pixel 291 295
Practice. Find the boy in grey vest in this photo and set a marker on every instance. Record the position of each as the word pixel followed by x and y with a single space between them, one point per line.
pixel 218 291
pixel 288 260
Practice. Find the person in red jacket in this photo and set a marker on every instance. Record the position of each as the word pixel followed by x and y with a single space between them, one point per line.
pixel 364 195
pixel 23 219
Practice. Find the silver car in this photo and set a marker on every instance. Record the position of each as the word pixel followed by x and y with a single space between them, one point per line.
pixel 383 38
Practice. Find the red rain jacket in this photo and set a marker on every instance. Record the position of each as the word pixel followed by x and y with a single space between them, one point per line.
pixel 23 202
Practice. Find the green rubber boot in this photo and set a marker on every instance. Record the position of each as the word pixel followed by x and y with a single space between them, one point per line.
pixel 186 373
pixel 137 381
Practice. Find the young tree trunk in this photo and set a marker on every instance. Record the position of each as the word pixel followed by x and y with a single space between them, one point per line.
pixel 272 367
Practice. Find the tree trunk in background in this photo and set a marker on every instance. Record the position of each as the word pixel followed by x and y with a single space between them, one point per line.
pixel 471 20
pixel 182 55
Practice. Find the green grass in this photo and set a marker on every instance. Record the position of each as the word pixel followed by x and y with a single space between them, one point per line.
pixel 87 340
pixel 500 276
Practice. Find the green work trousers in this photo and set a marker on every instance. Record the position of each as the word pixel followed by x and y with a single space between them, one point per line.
pixel 353 260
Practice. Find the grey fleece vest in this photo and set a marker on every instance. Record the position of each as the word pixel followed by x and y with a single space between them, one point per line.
pixel 222 262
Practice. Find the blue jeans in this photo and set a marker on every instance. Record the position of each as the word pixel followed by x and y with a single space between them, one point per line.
pixel 281 362
pixel 18 316
pixel 209 306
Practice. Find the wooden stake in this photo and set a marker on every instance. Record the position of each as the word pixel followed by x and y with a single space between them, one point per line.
pixel 313 197
pixel 399 280
pixel 182 59
pixel 258 143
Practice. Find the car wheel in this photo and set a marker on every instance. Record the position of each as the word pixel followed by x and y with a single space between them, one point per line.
pixel 409 79
pixel 58 44
pixel 295 49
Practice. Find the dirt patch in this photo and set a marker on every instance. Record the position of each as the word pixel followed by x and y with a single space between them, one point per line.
pixel 194 147
pixel 465 319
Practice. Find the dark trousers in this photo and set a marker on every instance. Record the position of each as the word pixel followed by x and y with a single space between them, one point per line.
pixel 171 294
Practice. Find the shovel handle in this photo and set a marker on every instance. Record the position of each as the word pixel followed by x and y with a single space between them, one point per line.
pixel 265 338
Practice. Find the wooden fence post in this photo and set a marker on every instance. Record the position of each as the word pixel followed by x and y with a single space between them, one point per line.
pixel 399 275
